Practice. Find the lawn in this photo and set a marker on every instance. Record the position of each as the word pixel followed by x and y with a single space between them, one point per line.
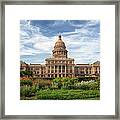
pixel 64 95
pixel 60 89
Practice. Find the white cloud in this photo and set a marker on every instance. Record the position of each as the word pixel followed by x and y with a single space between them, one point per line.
pixel 80 43
pixel 32 35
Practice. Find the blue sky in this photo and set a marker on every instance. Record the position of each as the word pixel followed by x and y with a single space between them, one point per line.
pixel 81 37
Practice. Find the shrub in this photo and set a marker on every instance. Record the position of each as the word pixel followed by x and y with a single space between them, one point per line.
pixel 27 72
pixel 57 82
pixel 42 84
pixel 68 94
pixel 27 91
pixel 66 83
pixel 25 82
pixel 73 83
pixel 88 85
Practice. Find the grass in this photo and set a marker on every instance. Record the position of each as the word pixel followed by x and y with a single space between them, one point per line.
pixel 65 95
pixel 60 89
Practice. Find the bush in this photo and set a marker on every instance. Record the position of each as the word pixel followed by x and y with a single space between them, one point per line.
pixel 60 88
pixel 68 94
pixel 73 83
pixel 25 82
pixel 26 72
pixel 57 83
pixel 67 83
pixel 88 85
pixel 43 84
pixel 27 91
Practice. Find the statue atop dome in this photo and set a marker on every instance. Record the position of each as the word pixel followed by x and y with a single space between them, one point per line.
pixel 59 36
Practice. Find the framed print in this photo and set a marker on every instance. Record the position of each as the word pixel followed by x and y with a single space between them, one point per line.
pixel 59 59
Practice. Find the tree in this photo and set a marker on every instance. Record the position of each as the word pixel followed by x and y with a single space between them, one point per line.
pixel 27 72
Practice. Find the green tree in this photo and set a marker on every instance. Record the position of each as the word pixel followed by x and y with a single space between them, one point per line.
pixel 27 72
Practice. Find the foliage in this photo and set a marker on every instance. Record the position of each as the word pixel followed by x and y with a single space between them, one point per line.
pixel 83 78
pixel 73 83
pixel 27 72
pixel 67 94
pixel 60 88
pixel 28 91
pixel 42 84
pixel 25 82
pixel 57 82
pixel 88 85
pixel 64 82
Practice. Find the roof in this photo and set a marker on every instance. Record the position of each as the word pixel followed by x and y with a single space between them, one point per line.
pixel 97 62
pixel 59 59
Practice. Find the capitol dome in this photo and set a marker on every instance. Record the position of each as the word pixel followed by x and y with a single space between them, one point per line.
pixel 59 44
pixel 59 49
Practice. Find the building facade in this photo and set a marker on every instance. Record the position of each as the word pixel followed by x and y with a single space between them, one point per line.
pixel 60 65
pixel 92 70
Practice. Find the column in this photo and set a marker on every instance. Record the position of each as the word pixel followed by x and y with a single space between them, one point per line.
pixel 97 69
pixel 65 70
pixel 73 72
pixel 54 70
pixel 58 71
pixel 40 71
pixel 50 70
pixel 88 70
pixel 85 71
pixel 46 71
pixel 92 70
pixel 79 71
pixel 68 70
pixel 61 72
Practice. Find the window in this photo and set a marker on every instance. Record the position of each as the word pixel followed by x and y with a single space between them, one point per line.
pixel 63 68
pixel 96 72
pixel 51 75
pixel 55 75
pixel 60 61
pixel 67 69
pixel 59 68
pixel 82 72
pixel 70 70
pixel 55 68
pixel 52 69
pixel 37 72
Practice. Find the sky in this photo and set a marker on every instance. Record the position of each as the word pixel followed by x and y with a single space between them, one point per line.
pixel 81 37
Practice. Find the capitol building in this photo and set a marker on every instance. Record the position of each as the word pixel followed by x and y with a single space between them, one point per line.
pixel 60 65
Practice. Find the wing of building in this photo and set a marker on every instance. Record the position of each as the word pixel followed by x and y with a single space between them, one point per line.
pixel 60 65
